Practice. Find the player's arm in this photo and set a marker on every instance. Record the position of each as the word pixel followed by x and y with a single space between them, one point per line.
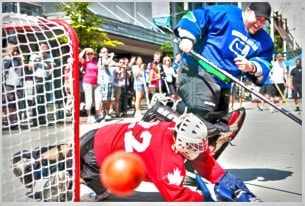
pixel 55 152
pixel 257 69
pixel 207 167
pixel 193 24
pixel 33 57
pixel 261 63
pixel 291 80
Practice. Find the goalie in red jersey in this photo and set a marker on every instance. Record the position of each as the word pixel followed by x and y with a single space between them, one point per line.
pixel 164 147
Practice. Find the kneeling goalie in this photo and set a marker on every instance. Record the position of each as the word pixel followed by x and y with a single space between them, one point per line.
pixel 164 147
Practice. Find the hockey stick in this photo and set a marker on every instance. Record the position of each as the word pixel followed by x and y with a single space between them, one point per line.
pixel 160 81
pixel 282 95
pixel 146 91
pixel 223 75
pixel 166 86
pixel 240 92
pixel 202 185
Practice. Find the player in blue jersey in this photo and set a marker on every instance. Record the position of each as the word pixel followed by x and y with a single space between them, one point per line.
pixel 233 40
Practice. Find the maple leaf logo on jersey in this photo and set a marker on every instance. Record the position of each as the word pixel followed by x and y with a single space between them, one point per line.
pixel 175 178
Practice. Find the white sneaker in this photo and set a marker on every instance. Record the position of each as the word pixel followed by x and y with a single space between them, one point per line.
pixel 87 194
pixel 138 115
pixel 82 106
pixel 108 117
pixel 91 119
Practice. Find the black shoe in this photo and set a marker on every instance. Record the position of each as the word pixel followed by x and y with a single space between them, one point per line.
pixel 100 117
pixel 14 127
pixel 35 124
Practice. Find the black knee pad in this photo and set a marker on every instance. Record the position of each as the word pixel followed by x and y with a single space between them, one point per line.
pixel 96 185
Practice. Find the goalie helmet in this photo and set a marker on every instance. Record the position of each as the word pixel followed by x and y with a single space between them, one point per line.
pixel 191 136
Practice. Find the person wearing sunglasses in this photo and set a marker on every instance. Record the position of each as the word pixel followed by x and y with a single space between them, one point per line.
pixel 89 71
pixel 234 41
pixel 105 79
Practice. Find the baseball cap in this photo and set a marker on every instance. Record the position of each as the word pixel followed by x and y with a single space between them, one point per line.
pixel 262 9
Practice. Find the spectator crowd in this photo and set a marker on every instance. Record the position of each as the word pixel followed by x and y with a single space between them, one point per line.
pixel 111 85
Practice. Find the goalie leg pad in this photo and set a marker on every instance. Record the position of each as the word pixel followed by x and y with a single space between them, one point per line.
pixel 96 185
pixel 234 120
pixel 198 89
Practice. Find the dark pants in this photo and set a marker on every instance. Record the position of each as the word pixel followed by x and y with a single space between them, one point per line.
pixel 201 94
pixel 89 168
pixel 39 111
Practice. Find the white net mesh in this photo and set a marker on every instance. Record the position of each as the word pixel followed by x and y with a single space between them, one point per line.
pixel 37 108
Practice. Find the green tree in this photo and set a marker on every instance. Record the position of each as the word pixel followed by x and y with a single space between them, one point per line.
pixel 87 25
pixel 167 49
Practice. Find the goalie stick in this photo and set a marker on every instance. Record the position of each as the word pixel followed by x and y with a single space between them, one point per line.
pixel 225 75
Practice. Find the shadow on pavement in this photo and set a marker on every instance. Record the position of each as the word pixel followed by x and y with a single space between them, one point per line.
pixel 137 197
pixel 261 174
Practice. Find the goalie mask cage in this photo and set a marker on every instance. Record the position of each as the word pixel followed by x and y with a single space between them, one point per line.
pixel 40 110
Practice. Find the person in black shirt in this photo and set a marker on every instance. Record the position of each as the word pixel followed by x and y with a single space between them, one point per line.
pixel 296 83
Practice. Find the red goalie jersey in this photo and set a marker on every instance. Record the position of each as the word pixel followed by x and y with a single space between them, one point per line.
pixel 154 143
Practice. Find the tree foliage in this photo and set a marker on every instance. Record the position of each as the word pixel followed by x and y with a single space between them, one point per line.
pixel 87 25
pixel 167 49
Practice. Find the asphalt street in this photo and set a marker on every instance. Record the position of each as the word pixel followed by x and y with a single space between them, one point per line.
pixel 268 155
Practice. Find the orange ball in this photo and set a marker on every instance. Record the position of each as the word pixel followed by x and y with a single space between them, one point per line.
pixel 122 172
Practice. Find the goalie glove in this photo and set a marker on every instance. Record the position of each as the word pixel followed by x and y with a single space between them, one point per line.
pixel 232 189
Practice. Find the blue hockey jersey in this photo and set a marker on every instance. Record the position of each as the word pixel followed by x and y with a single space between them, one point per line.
pixel 221 36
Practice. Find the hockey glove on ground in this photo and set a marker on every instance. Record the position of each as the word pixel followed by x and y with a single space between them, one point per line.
pixel 232 189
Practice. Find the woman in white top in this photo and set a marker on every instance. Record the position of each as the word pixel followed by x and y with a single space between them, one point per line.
pixel 139 84
pixel 170 74
pixel 278 77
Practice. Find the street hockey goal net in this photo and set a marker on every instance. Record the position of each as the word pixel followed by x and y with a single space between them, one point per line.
pixel 40 109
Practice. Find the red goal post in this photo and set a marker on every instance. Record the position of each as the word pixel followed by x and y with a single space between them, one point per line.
pixel 40 108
